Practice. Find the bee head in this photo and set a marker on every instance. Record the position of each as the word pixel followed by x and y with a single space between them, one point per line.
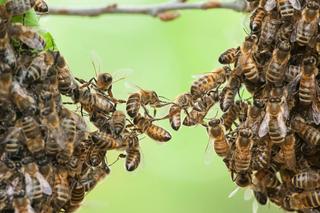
pixel 106 78
pixel 284 46
pixel 214 122
pixel 313 5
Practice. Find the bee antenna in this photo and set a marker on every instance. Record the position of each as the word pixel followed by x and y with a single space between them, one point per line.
pixel 121 155
pixel 94 67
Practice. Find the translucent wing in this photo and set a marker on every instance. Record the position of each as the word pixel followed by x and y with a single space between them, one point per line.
pixel 255 206
pixel 264 126
pixel 29 37
pixel 282 125
pixel 121 74
pixel 315 112
pixel 234 192
pixel 30 209
pixel 45 186
pixel 270 5
pixel 209 154
pixel 295 4
pixel 248 194
pixel 29 184
pixel 292 86
pixel 293 35
pixel 285 110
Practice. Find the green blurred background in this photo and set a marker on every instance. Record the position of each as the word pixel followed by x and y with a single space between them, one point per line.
pixel 163 56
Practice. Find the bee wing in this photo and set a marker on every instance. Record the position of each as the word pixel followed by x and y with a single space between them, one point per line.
pixel 234 192
pixel 30 209
pixel 316 112
pixel 270 4
pixel 121 74
pixel 264 126
pixel 45 186
pixel 295 4
pixel 209 154
pixel 29 37
pixel 248 194
pixel 255 206
pixel 292 86
pixel 29 184
pixel 282 125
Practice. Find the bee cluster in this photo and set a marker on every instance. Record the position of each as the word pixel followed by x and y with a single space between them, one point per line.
pixel 49 159
pixel 270 142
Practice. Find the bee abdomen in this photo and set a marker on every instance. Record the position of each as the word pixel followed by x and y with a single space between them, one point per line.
pixel 175 117
pixel 221 147
pixel 132 159
pixel 158 133
pixel 133 105
pixel 308 180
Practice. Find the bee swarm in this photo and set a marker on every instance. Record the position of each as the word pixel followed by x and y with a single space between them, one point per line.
pixel 269 143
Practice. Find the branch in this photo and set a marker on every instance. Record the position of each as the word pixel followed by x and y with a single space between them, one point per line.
pixel 164 11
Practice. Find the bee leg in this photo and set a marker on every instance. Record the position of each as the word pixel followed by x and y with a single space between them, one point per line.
pixel 186 111
pixel 154 112
pixel 146 111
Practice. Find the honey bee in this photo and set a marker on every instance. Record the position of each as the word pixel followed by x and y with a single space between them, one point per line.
pixel 8 59
pixel 229 56
pixel 307 180
pixel 200 108
pixel 18 7
pixel 133 155
pixel 285 32
pixel 34 141
pixel 217 137
pixel 36 184
pixel 104 141
pixel 246 61
pixel 308 133
pixel 292 72
pixel 145 125
pixel 39 67
pixel 242 179
pixel 209 81
pixel 27 36
pixel 285 7
pixel 261 155
pixel 257 18
pixel 13 142
pixel 229 92
pixel 94 176
pixel 243 147
pixel 182 102
pixel 274 120
pixel 280 58
pixel 101 121
pixel 77 196
pixel 307 26
pixel 24 101
pixel 265 178
pixel 40 6
pixel 269 29
pixel 118 122
pixel 261 197
pixel 21 203
pixel 231 115
pixel 61 187
pixel 142 98
pixel 303 200
pixel 288 151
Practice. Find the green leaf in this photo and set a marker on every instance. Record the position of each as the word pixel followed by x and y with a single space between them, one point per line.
pixel 50 44
pixel 30 18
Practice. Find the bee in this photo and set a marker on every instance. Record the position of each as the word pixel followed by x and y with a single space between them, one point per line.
pixel 201 107
pixel 61 188
pixel 229 56
pixel 27 36
pixel 13 142
pixel 246 61
pixel 242 179
pixel 24 101
pixel 40 6
pixel 182 102
pixel 307 26
pixel 274 120
pixel 265 178
pixel 94 176
pixel 307 87
pixel 256 19
pixel 21 203
pixel 38 68
pixel 261 155
pixel 68 125
pixel 269 29
pixel 18 7
pixel 95 101
pixel 145 125
pixel 8 59
pixel 308 133
pixel 231 115
pixel 217 137
pixel 77 196
pixel 34 141
pixel 209 81
pixel 285 7
pixel 243 147
pixel 292 72
pixel 261 197
pixel 280 58
pixel 36 184
pixel 101 121
pixel 306 180
pixel 229 92
pixel 288 151
pixel 303 200
pixel 285 32
pixel 133 155
pixel 142 98
pixel 105 141
pixel 118 122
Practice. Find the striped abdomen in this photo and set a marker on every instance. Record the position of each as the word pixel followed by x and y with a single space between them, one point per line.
pixel 133 104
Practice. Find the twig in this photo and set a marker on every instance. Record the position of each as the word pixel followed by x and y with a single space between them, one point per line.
pixel 165 11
